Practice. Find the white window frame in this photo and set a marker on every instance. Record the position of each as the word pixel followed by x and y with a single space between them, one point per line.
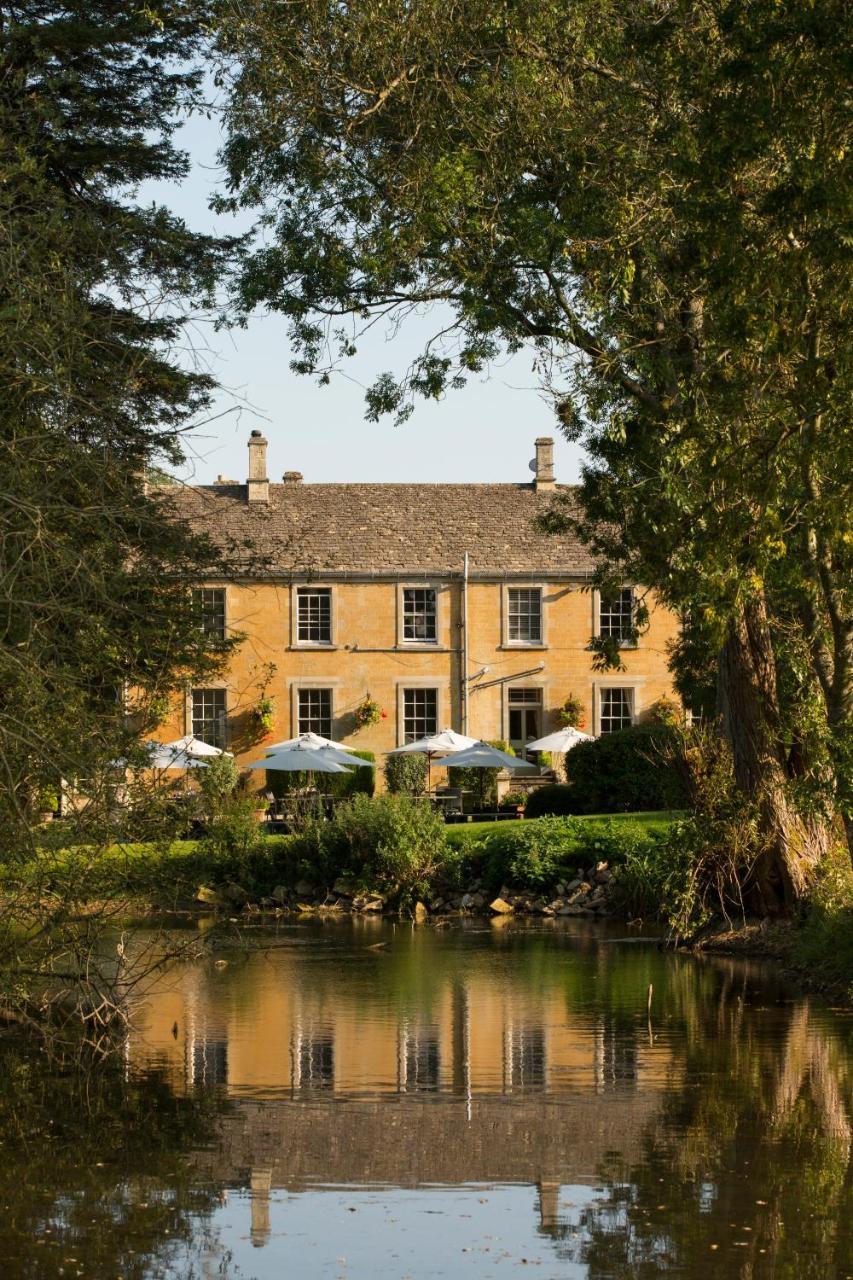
pixel 295 642
pixel 441 687
pixel 311 682
pixel 190 717
pixel 315 688
pixel 208 586
pixel 634 689
pixel 596 620
pixel 402 639
pixel 506 643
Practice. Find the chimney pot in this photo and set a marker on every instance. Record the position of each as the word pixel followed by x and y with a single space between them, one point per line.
pixel 292 477
pixel 258 485
pixel 545 464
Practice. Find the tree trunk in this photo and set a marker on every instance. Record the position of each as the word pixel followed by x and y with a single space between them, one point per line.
pixel 749 705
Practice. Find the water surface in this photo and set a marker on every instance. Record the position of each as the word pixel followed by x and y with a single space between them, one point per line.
pixel 363 1099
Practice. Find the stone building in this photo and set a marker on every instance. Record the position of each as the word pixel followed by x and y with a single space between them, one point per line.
pixel 440 604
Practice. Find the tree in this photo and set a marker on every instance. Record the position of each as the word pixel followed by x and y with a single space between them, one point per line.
pixel 95 291
pixel 653 199
pixel 97 631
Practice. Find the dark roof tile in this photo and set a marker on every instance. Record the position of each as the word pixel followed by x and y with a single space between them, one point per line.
pixel 385 529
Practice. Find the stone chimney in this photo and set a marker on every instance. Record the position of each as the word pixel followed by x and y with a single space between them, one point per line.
pixel 544 465
pixel 258 484
pixel 292 477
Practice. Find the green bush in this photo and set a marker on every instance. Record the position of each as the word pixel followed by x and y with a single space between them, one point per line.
pixel 529 855
pixel 389 842
pixel 623 772
pixel 217 783
pixel 407 775
pixel 556 798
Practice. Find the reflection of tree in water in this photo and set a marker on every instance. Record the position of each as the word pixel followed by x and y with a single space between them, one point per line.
pixel 752 1155
pixel 94 1169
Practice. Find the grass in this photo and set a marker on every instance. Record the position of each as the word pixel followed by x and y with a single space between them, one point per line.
pixel 651 822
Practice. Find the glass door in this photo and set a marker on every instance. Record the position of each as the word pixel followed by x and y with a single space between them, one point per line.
pixel 525 721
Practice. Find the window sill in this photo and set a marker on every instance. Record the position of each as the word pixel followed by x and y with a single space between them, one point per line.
pixel 623 644
pixel 323 645
pixel 420 646
pixel 526 646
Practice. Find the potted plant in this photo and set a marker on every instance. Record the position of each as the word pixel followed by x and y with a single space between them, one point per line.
pixel 513 801
pixel 571 714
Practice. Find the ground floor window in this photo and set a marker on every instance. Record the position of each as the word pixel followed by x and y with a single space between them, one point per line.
pixel 525 719
pixel 420 713
pixel 314 712
pixel 208 716
pixel 616 710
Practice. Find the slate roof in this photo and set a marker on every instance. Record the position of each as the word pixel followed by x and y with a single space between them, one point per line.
pixel 384 529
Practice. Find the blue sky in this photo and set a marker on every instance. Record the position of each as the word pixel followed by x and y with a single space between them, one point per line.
pixel 483 433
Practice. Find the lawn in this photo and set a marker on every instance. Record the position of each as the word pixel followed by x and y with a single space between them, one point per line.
pixel 652 822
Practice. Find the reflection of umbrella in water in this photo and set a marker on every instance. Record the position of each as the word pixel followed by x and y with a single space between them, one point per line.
pixel 483 756
pixel 436 744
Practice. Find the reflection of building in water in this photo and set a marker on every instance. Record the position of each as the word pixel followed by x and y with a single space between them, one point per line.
pixel 207 1060
pixel 265 1025
pixel 420 1058
pixel 313 1058
pixel 525 1060
pixel 616 1062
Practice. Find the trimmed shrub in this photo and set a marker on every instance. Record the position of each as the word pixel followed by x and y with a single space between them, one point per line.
pixel 406 775
pixel 556 798
pixel 622 773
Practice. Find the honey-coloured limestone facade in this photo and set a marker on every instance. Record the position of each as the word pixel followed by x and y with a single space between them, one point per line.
pixel 427 605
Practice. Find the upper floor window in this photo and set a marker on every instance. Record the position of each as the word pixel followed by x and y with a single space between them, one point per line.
pixel 616 615
pixel 420 713
pixel 524 615
pixel 208 716
pixel 419 614
pixel 314 615
pixel 209 608
pixel 616 710
pixel 314 712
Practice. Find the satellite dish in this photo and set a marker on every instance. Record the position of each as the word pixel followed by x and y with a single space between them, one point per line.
pixel 531 466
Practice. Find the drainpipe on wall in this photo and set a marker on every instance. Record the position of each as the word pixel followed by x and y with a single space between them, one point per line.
pixel 464 682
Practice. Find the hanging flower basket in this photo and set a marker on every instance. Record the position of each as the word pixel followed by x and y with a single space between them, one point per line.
pixel 571 713
pixel 263 715
pixel 368 712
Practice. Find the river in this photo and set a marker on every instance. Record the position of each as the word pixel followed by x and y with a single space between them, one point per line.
pixel 359 1098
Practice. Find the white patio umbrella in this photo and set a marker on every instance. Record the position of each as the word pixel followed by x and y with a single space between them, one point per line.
pixel 302 759
pixel 326 750
pixel 308 739
pixel 435 744
pixel 484 756
pixel 561 741
pixel 188 752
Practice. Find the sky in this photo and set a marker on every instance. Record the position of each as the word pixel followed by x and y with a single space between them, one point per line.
pixel 483 433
